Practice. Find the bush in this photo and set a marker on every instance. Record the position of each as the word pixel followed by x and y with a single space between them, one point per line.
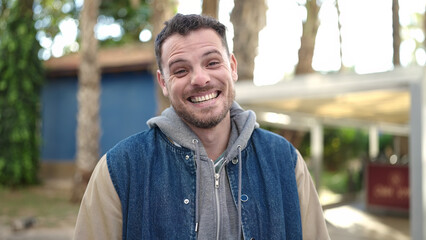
pixel 21 77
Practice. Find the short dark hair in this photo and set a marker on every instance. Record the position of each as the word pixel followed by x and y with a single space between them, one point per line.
pixel 183 25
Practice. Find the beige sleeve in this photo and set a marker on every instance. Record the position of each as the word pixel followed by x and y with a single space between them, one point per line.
pixel 313 222
pixel 100 214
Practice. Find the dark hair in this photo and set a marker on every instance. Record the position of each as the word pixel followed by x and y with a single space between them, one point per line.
pixel 183 25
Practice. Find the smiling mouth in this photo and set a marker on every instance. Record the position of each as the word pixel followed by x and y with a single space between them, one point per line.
pixel 204 98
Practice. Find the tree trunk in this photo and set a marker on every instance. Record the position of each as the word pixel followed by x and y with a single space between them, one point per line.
pixel 310 28
pixel 135 3
pixel 424 26
pixel 342 66
pixel 248 18
pixel 88 129
pixel 306 52
pixel 396 34
pixel 210 8
pixel 162 10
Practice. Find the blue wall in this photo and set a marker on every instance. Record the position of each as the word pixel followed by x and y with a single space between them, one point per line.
pixel 127 101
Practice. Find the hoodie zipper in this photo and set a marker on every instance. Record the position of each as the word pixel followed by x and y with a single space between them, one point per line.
pixel 216 180
pixel 216 191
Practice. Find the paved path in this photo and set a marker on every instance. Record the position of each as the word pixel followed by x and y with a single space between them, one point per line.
pixel 351 222
pixel 37 234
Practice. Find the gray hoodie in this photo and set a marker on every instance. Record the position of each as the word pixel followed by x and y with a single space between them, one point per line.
pixel 217 215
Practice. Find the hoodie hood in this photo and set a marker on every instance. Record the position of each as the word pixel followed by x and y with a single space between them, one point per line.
pixel 243 122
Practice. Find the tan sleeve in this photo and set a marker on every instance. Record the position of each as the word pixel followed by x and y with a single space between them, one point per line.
pixel 100 214
pixel 313 222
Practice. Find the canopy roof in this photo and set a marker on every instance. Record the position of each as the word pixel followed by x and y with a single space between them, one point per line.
pixel 381 99
pixel 112 59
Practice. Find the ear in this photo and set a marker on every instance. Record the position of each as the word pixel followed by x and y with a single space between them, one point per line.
pixel 162 82
pixel 234 65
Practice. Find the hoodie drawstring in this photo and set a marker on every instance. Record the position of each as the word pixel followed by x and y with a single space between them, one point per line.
pixel 198 173
pixel 240 170
pixel 197 189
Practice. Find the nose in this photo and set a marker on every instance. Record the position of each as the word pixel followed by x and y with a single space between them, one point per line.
pixel 200 77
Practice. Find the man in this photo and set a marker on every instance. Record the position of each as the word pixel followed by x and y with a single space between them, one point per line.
pixel 204 169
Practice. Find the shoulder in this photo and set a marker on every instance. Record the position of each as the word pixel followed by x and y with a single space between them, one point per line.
pixel 268 133
pixel 130 156
pixel 141 140
pixel 265 136
pixel 136 138
pixel 128 152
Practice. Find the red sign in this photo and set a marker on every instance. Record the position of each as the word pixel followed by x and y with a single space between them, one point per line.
pixel 388 186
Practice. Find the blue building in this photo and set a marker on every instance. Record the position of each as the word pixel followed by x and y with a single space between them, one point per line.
pixel 128 100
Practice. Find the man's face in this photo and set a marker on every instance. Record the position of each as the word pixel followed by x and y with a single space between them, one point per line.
pixel 198 77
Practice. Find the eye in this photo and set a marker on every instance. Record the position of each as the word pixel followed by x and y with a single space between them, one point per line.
pixel 181 72
pixel 213 63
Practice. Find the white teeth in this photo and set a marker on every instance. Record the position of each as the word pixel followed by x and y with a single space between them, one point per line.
pixel 204 98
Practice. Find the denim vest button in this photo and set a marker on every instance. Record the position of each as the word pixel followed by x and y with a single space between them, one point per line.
pixel 187 157
pixel 244 198
pixel 186 201
pixel 235 160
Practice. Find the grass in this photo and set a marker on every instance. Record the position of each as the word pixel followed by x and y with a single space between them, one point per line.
pixel 49 206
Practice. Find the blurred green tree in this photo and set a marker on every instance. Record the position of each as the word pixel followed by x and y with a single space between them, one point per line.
pixel 343 144
pixel 21 79
pixel 128 18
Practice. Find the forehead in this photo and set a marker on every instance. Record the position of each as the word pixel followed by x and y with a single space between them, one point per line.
pixel 193 41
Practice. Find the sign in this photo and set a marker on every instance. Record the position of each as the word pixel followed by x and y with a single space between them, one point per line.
pixel 388 186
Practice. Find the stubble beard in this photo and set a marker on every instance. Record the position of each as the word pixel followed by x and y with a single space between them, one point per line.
pixel 207 122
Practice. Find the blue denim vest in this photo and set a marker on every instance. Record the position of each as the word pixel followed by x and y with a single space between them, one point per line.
pixel 155 181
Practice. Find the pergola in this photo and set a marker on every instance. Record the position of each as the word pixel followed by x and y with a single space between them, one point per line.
pixel 393 102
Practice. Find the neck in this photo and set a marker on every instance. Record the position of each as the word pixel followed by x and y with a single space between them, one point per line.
pixel 215 140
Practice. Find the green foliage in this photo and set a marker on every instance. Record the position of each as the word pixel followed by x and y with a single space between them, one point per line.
pixel 132 19
pixel 342 145
pixel 385 140
pixel 342 181
pixel 336 181
pixel 21 77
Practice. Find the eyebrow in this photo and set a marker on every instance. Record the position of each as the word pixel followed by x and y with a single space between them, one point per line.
pixel 214 51
pixel 176 61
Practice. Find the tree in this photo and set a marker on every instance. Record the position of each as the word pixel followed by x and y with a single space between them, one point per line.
pixel 342 66
pixel 161 11
pixel 88 129
pixel 21 79
pixel 310 29
pixel 396 34
pixel 248 18
pixel 424 27
pixel 210 8
pixel 131 16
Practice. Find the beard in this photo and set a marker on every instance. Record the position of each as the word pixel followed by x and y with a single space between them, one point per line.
pixel 205 119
